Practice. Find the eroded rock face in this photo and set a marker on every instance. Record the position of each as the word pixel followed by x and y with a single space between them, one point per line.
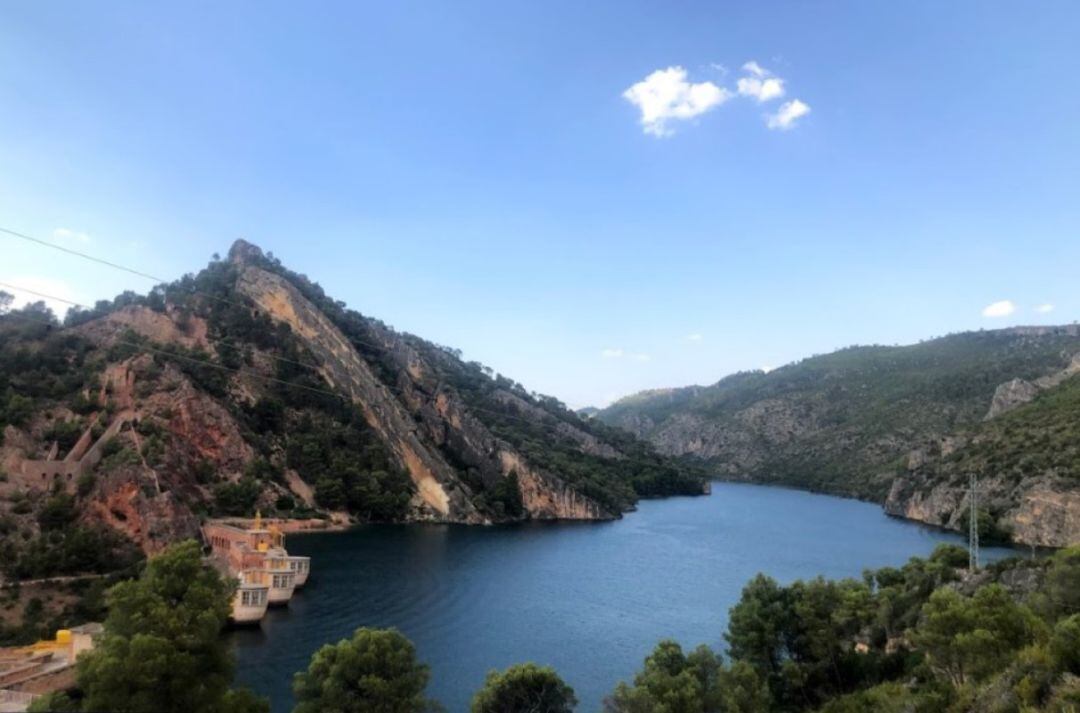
pixel 1048 515
pixel 1018 392
pixel 343 368
pixel 1011 394
pixel 129 502
pixel 201 428
pixel 417 417
pixel 164 328
pixel 548 498
pixel 1042 511
pixel 909 498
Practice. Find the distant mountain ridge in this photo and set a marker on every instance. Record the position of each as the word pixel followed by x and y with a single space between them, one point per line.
pixel 855 422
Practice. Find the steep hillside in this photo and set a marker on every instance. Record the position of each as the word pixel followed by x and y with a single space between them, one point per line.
pixel 1028 460
pixel 246 387
pixel 847 422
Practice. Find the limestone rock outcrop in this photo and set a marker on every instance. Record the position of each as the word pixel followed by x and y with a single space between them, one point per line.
pixel 418 417
pixel 1011 394
pixel 1041 511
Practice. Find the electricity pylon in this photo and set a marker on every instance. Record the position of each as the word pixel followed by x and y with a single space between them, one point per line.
pixel 973 526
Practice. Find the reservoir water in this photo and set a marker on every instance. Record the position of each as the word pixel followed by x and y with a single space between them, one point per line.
pixel 590 599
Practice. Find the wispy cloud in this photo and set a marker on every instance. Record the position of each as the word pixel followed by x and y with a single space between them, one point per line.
pixel 755 69
pixel 760 84
pixel 1045 308
pixel 69 235
pixel 786 116
pixel 621 354
pixel 695 337
pixel 667 95
pixel 1002 308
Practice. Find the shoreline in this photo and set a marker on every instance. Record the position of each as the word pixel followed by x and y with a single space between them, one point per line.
pixel 290 525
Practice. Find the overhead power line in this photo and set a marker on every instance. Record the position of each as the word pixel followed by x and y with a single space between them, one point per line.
pixel 76 253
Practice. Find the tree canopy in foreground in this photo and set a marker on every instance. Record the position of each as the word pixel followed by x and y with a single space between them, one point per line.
pixel 162 648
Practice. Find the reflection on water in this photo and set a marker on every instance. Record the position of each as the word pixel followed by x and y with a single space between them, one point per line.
pixel 590 599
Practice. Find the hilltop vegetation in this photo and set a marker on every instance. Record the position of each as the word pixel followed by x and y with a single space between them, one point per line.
pixel 1040 437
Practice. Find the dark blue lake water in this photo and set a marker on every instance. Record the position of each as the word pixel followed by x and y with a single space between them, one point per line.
pixel 589 599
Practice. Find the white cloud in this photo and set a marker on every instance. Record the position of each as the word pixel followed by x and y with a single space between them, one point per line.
pixel 68 235
pixel 1002 308
pixel 43 285
pixel 666 95
pixel 612 353
pixel 695 337
pixel 1045 308
pixel 761 89
pixel 641 357
pixel 756 69
pixel 761 85
pixel 767 368
pixel 786 115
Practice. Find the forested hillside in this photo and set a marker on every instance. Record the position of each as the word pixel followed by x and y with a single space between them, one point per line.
pixel 850 422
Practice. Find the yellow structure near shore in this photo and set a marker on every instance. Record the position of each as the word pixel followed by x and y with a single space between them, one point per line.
pixel 27 672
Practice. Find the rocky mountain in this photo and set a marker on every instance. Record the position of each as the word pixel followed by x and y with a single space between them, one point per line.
pixel 245 386
pixel 902 425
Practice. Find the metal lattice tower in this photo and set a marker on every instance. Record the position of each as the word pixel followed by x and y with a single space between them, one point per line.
pixel 973 526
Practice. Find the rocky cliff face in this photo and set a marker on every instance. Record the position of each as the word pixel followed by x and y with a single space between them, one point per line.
pixel 139 484
pixel 1011 394
pixel 1042 511
pixel 418 417
pixel 1017 392
pixel 439 491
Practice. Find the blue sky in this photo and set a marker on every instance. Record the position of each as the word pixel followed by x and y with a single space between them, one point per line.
pixel 480 173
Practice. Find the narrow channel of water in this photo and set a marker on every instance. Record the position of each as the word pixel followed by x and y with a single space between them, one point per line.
pixel 589 599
